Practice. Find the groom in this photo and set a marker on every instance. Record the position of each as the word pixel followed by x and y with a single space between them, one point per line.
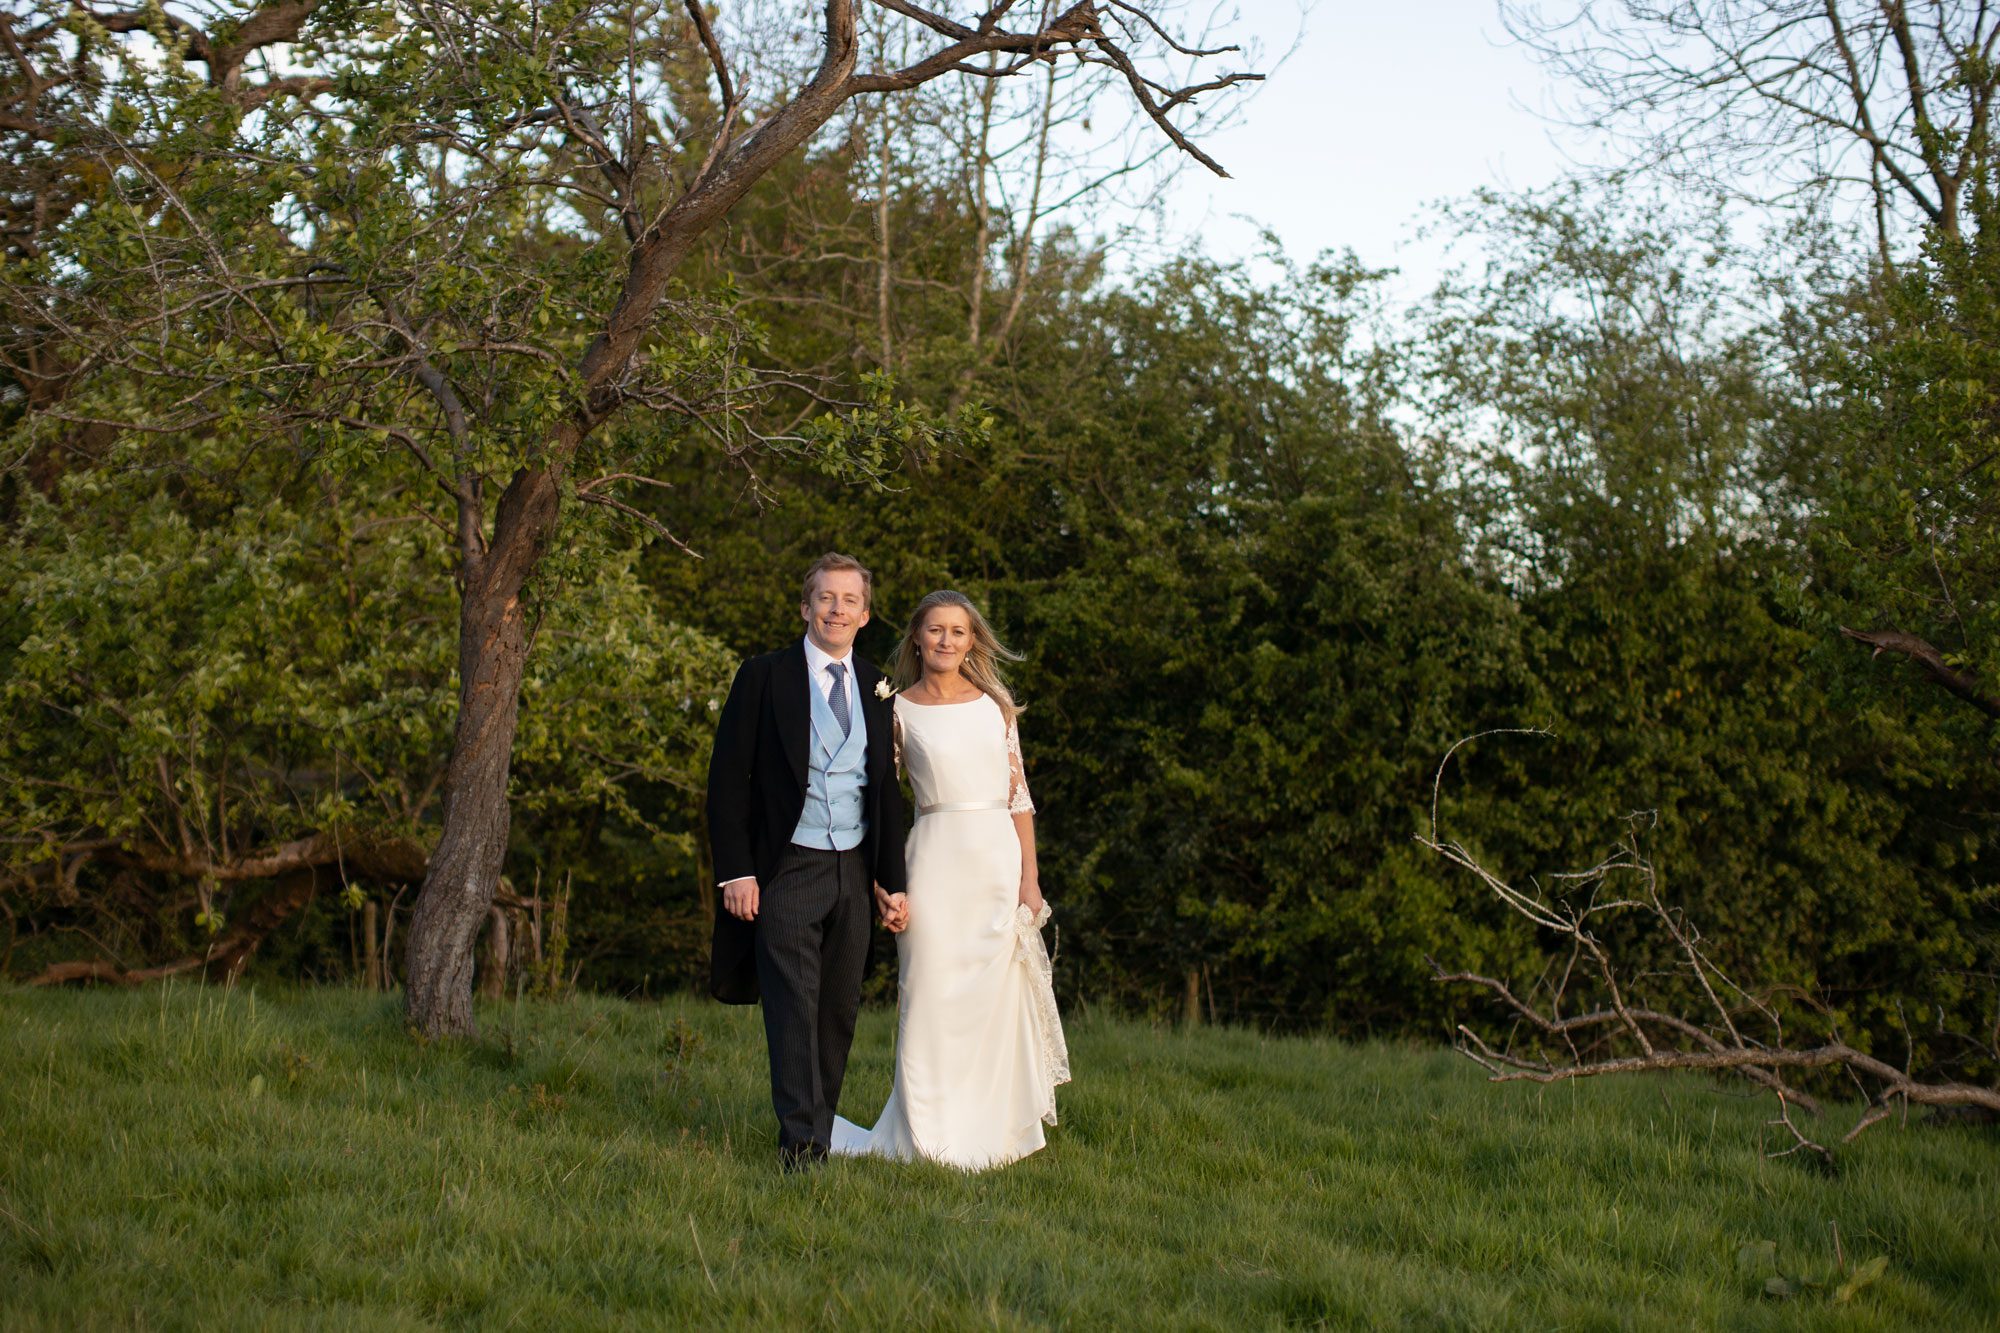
pixel 804 816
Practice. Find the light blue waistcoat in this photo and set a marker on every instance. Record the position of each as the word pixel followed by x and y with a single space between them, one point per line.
pixel 836 775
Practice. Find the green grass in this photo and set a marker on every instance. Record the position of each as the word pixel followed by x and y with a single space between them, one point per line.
pixel 180 1157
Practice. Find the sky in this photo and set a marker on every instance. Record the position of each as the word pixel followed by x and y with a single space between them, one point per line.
pixel 1385 106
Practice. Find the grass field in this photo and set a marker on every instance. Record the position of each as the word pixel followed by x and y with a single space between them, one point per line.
pixel 181 1157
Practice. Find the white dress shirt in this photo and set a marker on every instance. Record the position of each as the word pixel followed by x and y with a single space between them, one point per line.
pixel 817 662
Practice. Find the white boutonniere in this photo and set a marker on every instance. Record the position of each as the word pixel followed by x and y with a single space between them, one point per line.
pixel 883 689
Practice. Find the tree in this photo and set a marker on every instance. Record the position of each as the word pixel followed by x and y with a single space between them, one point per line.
pixel 450 236
pixel 232 695
pixel 1663 466
pixel 1896 442
pixel 1884 100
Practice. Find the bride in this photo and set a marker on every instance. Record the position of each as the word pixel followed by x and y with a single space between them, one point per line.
pixel 979 1047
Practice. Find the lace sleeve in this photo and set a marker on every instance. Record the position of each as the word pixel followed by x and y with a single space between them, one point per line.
pixel 1018 800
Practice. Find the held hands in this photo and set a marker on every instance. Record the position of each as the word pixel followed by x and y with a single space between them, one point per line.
pixel 739 898
pixel 894 909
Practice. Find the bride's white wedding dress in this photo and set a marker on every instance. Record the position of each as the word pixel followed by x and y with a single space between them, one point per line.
pixel 979 1046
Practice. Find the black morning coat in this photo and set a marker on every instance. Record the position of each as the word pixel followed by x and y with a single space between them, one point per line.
pixel 757 790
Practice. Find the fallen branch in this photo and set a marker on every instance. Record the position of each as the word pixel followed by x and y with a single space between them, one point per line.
pixel 58 974
pixel 1665 1040
pixel 1658 1059
pixel 298 867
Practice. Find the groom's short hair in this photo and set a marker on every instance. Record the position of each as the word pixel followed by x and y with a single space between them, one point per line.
pixel 831 561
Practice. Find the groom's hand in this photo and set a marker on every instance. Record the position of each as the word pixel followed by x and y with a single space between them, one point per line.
pixel 739 898
pixel 894 909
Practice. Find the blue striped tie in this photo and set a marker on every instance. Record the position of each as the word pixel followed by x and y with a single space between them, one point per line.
pixel 839 699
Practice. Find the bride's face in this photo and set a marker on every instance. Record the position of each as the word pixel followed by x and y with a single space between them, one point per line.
pixel 945 638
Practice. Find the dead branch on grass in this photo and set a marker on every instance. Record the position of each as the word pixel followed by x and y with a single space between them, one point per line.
pixel 1733 1029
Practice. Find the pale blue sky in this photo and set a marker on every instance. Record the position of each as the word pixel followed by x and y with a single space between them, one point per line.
pixel 1382 109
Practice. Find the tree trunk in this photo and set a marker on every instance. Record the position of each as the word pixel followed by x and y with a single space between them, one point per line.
pixel 492 640
pixel 465 868
pixel 498 947
pixel 371 937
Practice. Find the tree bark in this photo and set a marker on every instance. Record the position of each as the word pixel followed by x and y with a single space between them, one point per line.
pixel 465 868
pixel 493 985
pixel 371 964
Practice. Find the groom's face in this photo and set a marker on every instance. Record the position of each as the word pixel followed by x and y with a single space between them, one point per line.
pixel 836 611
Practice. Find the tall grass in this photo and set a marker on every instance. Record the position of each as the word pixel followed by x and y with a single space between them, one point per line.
pixel 182 1157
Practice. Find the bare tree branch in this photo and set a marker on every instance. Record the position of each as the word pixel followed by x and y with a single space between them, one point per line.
pixel 1665 1040
pixel 1767 98
pixel 1959 683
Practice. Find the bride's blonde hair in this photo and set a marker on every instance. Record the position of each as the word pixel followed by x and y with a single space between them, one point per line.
pixel 981 665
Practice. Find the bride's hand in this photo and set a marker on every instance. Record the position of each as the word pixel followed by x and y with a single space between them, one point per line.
pixel 1031 896
pixel 893 908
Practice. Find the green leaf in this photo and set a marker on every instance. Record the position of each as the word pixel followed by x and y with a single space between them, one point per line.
pixel 1757 1257
pixel 1863 1276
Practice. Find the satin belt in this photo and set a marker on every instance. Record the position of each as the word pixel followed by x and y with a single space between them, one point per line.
pixel 955 807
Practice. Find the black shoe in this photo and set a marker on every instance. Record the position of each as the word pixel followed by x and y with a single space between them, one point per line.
pixel 802 1157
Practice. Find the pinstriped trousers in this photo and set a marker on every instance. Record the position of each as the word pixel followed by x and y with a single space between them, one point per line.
pixel 812 949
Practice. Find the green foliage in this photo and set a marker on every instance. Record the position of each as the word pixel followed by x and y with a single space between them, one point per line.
pixel 1252 637
pixel 203 668
pixel 1758 1261
pixel 1258 609
pixel 294 345
pixel 1895 457
pixel 1639 504
pixel 1268 552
